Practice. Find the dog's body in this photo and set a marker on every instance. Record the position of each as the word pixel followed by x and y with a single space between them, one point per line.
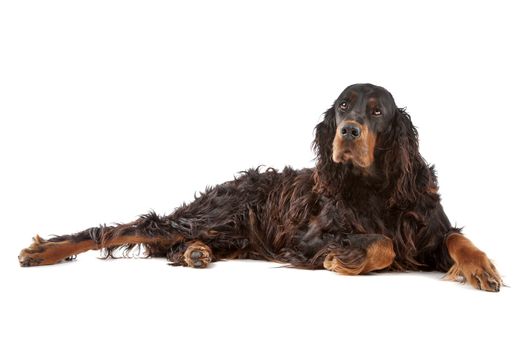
pixel 371 203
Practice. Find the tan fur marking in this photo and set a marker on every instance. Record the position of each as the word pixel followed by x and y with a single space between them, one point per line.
pixel 42 252
pixel 471 264
pixel 360 151
pixel 333 263
pixel 433 189
pixel 379 255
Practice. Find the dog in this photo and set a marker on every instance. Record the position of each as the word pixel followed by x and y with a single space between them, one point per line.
pixel 370 204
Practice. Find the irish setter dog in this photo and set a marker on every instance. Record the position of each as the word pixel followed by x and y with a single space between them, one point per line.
pixel 371 203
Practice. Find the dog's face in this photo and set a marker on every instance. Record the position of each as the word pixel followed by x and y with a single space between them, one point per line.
pixel 362 112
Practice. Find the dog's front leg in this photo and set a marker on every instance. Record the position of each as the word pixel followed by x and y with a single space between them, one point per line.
pixel 471 264
pixel 366 253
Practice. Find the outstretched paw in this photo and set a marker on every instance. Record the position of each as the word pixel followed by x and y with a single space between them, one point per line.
pixel 33 255
pixel 478 271
pixel 41 252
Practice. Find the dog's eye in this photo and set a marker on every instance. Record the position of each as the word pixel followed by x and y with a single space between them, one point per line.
pixel 343 105
pixel 376 112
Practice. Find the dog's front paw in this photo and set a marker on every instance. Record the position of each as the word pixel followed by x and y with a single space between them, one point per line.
pixel 478 271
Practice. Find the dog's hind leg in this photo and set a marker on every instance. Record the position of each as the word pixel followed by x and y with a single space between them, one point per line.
pixel 148 229
pixel 192 254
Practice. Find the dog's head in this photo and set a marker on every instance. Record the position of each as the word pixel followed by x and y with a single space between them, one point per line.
pixel 364 130
pixel 361 113
pixel 363 121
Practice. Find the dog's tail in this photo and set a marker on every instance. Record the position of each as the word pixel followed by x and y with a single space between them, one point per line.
pixel 150 230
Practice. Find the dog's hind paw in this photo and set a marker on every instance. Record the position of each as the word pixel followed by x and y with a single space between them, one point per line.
pixel 196 254
pixel 42 252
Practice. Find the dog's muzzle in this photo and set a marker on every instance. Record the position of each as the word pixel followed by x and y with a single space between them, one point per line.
pixel 354 143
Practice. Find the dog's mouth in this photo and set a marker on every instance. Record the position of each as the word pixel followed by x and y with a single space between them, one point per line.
pixel 359 158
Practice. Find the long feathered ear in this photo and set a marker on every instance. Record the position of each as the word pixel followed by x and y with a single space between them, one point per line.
pixel 405 169
pixel 324 135
pixel 326 171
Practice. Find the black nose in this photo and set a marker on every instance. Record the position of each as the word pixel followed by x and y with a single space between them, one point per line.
pixel 350 132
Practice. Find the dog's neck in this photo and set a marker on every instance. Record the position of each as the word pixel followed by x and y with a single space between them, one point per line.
pixel 344 180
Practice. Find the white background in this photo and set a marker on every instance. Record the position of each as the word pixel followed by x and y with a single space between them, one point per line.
pixel 112 108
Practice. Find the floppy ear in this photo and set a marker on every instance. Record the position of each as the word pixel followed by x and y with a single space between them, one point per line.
pixel 324 136
pixel 404 167
pixel 326 178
